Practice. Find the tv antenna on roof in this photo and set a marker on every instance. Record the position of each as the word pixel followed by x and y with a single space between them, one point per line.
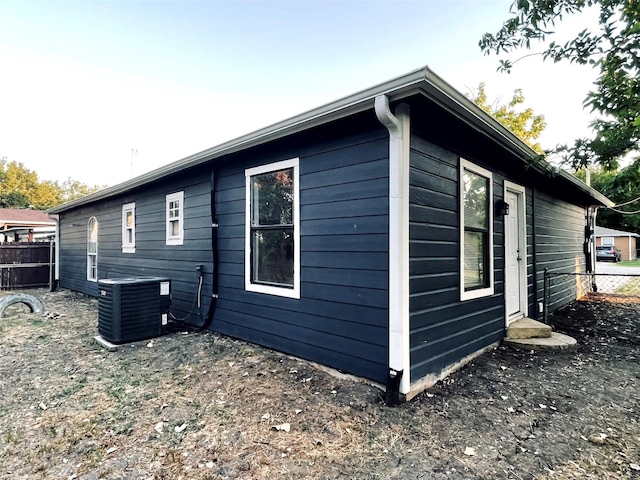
pixel 134 151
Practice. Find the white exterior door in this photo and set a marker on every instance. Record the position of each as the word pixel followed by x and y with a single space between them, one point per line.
pixel 515 254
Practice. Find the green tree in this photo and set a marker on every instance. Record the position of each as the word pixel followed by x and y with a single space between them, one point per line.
pixel 46 194
pixel 21 188
pixel 621 186
pixel 14 200
pixel 613 49
pixel 524 123
pixel 72 189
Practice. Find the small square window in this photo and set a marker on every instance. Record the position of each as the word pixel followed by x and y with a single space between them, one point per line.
pixel 129 228
pixel 175 218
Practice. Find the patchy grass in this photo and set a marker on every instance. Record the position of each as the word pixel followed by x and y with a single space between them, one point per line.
pixel 205 406
pixel 629 263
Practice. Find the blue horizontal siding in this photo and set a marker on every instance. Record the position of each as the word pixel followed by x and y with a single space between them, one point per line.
pixel 303 343
pixel 559 246
pixel 152 256
pixel 443 329
pixel 341 319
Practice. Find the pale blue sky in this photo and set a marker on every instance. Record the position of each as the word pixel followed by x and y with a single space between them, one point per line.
pixel 82 83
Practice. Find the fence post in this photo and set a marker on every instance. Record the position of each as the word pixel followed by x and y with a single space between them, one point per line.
pixel 545 289
pixel 51 267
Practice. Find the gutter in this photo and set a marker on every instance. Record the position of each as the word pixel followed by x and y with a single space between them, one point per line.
pixel 45 228
pixel 18 224
pixel 422 81
pixel 603 200
pixel 399 87
pixel 443 94
pixel 399 375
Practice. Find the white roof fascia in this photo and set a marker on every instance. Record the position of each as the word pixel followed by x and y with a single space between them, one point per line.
pixel 472 115
pixel 25 222
pixel 397 88
pixel 422 80
pixel 611 232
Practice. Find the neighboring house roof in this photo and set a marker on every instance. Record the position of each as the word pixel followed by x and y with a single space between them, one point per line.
pixel 16 217
pixel 419 82
pixel 610 232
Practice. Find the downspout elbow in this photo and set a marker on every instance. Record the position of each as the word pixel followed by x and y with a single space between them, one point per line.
pixel 388 119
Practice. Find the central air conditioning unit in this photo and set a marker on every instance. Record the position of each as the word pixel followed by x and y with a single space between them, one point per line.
pixel 132 309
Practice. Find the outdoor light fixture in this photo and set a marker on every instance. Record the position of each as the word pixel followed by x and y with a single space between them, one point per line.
pixel 502 207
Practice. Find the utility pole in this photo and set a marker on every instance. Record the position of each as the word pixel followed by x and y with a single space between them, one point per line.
pixel 134 151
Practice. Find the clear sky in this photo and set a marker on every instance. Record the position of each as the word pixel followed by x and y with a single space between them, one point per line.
pixel 82 83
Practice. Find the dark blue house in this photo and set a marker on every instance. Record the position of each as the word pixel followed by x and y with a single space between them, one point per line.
pixel 392 234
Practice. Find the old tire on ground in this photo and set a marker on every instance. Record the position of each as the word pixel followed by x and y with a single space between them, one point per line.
pixel 34 303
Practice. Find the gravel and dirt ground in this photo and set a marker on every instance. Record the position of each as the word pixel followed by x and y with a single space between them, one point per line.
pixel 204 406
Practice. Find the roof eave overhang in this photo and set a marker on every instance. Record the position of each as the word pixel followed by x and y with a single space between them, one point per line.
pixel 11 223
pixel 398 88
pixel 442 93
pixel 39 228
pixel 422 81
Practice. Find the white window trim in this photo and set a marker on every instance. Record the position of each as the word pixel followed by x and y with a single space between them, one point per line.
pixel 176 239
pixel 607 244
pixel 269 289
pixel 480 292
pixel 126 246
pixel 89 277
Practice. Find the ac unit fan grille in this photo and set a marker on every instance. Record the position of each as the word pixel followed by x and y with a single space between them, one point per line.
pixel 131 310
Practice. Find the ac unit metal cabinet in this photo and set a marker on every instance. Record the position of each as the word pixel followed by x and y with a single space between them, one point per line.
pixel 131 309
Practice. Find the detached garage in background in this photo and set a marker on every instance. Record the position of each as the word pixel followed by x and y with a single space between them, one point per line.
pixel 392 234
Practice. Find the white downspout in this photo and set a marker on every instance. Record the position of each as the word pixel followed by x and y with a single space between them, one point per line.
pixel 399 135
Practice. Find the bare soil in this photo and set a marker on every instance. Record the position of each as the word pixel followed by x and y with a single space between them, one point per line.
pixel 204 406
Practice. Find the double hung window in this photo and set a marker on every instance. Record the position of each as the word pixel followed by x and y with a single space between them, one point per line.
pixel 476 231
pixel 129 228
pixel 175 218
pixel 92 249
pixel 272 248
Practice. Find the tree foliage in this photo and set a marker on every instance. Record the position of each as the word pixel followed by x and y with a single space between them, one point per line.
pixel 621 186
pixel 613 49
pixel 524 123
pixel 21 188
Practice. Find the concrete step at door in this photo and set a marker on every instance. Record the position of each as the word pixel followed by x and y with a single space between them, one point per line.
pixel 528 328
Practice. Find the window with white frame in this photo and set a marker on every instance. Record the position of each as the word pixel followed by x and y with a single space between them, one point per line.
pixel 476 231
pixel 272 238
pixel 175 218
pixel 92 249
pixel 129 228
pixel 607 241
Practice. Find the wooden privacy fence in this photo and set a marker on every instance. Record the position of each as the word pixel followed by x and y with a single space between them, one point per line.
pixel 26 265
